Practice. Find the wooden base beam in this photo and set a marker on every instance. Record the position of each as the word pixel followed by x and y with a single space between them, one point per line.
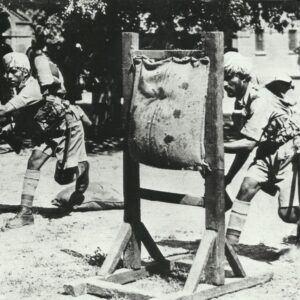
pixel 124 276
pixel 108 289
pixel 215 292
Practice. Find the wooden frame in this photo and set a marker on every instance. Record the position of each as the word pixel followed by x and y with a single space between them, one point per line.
pixel 210 256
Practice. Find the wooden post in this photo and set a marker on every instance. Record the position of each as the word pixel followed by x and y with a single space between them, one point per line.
pixel 292 40
pixel 260 43
pixel 131 175
pixel 214 147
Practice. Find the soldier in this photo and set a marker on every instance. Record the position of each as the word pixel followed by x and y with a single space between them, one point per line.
pixel 13 111
pixel 60 131
pixel 269 125
pixel 241 84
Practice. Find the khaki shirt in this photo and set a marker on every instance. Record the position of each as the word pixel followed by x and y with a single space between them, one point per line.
pixel 244 105
pixel 263 106
pixel 27 95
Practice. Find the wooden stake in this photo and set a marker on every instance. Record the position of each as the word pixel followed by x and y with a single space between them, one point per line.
pixel 200 261
pixel 150 245
pixel 214 183
pixel 234 261
pixel 116 250
pixel 131 173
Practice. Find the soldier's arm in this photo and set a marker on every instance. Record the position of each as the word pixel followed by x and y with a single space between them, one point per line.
pixel 243 144
pixel 86 120
pixel 5 109
pixel 29 95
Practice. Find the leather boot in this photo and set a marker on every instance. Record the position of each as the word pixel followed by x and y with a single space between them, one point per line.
pixel 82 183
pixel 23 218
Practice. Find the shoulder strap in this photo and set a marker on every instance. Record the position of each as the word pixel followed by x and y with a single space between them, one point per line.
pixel 67 145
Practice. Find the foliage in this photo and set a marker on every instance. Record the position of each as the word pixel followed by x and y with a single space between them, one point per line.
pixel 4 22
pixel 51 25
pixel 274 15
pixel 95 26
pixel 85 8
pixel 190 16
pixel 98 258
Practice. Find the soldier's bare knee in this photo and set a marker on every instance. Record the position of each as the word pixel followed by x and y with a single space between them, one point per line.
pixel 248 189
pixel 36 160
pixel 33 163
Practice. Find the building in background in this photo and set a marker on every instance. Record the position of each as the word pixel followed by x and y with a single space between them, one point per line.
pixel 20 33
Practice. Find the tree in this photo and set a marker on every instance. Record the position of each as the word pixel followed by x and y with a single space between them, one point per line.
pixel 97 25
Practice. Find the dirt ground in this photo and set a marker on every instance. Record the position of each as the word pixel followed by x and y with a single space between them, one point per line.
pixel 36 261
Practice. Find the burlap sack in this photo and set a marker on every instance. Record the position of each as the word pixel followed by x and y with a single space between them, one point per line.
pixel 167 115
pixel 99 196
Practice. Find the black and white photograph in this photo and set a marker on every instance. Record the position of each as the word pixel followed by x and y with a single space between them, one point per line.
pixel 149 149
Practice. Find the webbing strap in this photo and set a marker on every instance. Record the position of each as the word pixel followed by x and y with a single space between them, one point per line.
pixel 67 134
pixel 296 171
pixel 67 138
pixel 293 186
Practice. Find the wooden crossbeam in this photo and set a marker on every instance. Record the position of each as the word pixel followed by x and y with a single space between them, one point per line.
pixel 116 249
pixel 184 265
pixel 234 261
pixel 149 243
pixel 163 54
pixel 174 198
pixel 200 261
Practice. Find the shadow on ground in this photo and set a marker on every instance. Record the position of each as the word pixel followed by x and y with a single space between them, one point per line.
pixel 292 240
pixel 259 252
pixel 46 212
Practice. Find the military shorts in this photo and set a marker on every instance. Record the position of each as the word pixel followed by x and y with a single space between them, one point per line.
pixel 278 172
pixel 76 151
